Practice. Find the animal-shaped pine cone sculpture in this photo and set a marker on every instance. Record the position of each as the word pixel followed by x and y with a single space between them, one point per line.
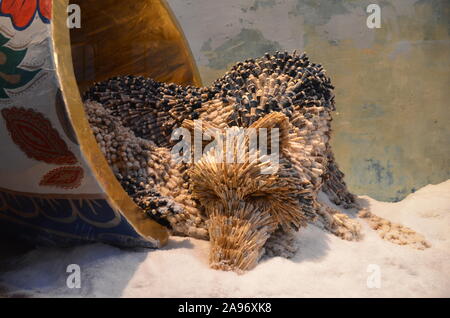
pixel 243 212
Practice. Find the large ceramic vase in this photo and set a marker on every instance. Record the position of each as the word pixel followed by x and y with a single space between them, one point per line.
pixel 56 187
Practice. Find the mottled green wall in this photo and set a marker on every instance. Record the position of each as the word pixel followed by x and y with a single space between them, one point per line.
pixel 391 130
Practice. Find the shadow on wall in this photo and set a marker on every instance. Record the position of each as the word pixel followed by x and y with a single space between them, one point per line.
pixel 391 131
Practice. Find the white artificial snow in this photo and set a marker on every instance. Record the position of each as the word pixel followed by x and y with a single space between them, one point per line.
pixel 325 266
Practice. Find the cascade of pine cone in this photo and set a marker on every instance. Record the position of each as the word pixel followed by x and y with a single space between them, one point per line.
pixel 245 214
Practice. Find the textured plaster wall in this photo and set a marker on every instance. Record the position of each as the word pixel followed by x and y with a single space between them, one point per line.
pixel 391 129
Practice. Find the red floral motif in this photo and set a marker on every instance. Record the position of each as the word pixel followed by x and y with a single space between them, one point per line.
pixel 45 10
pixel 22 12
pixel 63 177
pixel 34 134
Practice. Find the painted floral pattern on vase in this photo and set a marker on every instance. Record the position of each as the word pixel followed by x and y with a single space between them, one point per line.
pixel 11 75
pixel 36 137
pixel 23 12
pixel 63 177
